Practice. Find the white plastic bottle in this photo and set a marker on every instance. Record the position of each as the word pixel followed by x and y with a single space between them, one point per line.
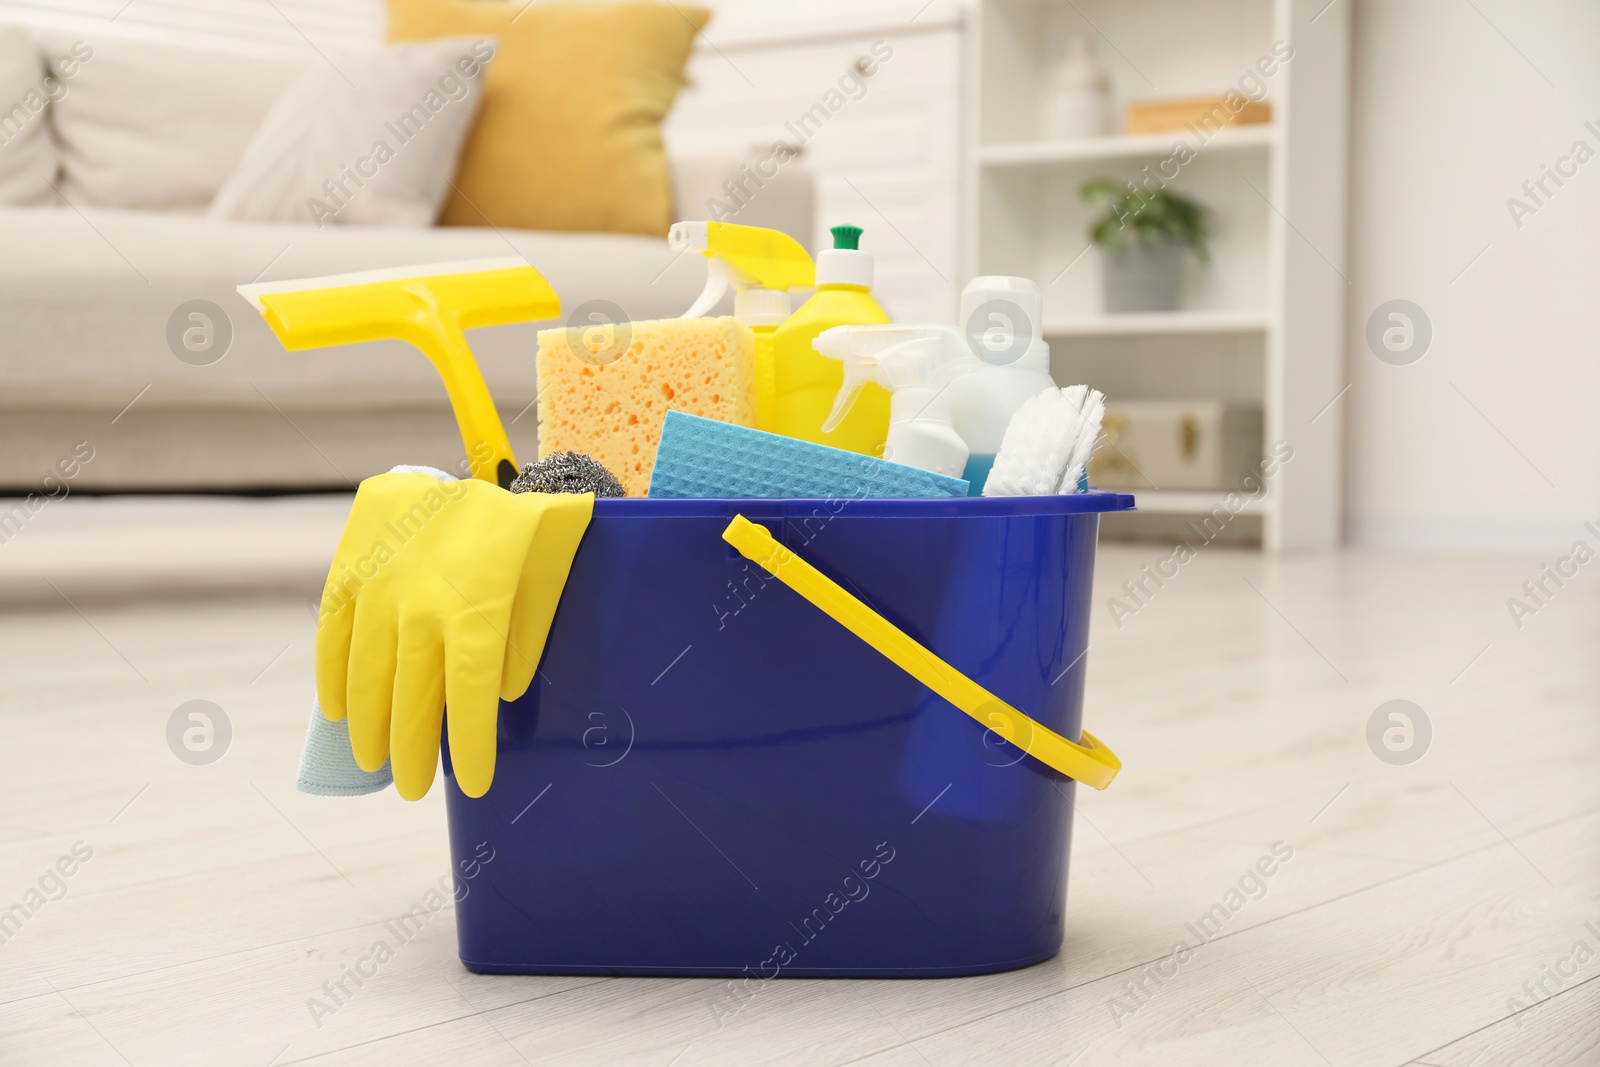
pixel 1002 319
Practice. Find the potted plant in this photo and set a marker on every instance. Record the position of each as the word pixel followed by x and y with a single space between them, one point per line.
pixel 1144 234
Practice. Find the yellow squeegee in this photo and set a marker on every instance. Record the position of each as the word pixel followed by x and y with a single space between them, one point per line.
pixel 429 307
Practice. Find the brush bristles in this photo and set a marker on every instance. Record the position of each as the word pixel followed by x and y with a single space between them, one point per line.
pixel 1091 413
pixel 1047 443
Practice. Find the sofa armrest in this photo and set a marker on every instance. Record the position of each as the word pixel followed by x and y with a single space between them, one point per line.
pixel 751 188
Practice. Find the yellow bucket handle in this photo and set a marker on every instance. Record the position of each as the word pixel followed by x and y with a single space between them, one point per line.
pixel 1091 763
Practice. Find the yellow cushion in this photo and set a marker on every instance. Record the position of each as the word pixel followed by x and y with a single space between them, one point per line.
pixel 569 133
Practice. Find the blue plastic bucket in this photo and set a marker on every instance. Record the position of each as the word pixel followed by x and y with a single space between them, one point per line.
pixel 709 776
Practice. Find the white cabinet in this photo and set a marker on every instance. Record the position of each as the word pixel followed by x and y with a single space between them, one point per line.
pixel 885 147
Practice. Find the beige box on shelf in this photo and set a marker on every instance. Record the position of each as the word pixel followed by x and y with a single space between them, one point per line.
pixel 1176 444
pixel 1201 112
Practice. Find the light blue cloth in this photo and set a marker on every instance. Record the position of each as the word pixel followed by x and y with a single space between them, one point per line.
pixel 327 767
pixel 706 458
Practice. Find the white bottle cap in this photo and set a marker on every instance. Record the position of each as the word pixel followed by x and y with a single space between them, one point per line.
pixel 1020 292
pixel 844 266
pixel 762 307
pixel 845 263
pixel 1003 319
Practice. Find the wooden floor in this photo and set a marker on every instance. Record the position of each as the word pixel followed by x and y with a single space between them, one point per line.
pixel 1423 908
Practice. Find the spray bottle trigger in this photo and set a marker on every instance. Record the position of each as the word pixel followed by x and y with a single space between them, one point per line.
pixel 859 368
pixel 716 285
pixel 844 400
pixel 832 343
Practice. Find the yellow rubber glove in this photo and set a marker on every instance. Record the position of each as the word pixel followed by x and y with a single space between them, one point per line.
pixel 441 593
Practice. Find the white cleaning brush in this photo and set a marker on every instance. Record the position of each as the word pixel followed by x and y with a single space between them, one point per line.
pixel 1047 443
pixel 1091 413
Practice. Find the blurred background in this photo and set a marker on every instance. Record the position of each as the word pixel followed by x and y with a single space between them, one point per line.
pixel 1349 356
pixel 1388 277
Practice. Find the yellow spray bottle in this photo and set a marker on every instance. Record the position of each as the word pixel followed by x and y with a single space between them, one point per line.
pixel 805 381
pixel 762 265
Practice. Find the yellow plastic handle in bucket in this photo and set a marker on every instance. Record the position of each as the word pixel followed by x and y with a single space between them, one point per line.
pixel 1091 763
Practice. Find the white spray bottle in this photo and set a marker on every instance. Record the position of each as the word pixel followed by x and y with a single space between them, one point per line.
pixel 917 365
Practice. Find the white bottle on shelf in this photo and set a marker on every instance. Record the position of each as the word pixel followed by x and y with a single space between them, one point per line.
pixel 1077 103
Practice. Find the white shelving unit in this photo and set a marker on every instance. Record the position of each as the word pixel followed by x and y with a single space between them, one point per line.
pixel 1158 323
pixel 1125 146
pixel 1188 502
pixel 1263 322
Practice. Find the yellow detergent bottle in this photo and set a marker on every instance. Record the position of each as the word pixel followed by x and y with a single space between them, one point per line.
pixel 762 265
pixel 805 381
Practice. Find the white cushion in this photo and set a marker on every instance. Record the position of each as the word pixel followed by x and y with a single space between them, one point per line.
pixel 369 139
pixel 153 126
pixel 28 159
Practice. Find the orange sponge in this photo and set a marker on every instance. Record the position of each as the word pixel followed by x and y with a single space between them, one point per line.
pixel 606 390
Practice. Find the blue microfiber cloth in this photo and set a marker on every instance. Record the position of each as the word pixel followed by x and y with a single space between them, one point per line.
pixel 705 458
pixel 327 769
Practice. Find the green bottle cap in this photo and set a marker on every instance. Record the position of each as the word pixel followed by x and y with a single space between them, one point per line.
pixel 846 237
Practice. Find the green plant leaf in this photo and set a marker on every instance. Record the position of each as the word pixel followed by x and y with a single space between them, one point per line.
pixel 1157 216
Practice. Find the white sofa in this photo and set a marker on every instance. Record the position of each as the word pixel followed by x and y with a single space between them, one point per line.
pixel 87 294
